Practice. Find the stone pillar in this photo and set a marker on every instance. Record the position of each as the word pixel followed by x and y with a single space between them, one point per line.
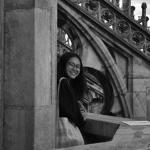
pixel 148 102
pixel 116 2
pixel 126 4
pixel 143 19
pixel 30 74
pixel 132 11
pixel 1 70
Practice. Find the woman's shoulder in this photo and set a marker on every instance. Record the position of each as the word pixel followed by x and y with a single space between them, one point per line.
pixel 62 78
pixel 64 81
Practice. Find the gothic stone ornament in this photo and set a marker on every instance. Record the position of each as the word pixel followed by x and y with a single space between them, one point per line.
pixel 123 27
pixel 148 49
pixel 107 17
pixel 93 5
pixel 138 38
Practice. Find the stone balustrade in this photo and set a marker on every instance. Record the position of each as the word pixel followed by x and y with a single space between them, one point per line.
pixel 124 26
pixel 118 135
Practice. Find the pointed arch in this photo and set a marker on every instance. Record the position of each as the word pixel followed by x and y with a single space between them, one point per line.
pixel 103 53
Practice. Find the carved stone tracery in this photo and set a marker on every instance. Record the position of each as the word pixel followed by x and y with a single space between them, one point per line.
pixel 138 38
pixel 120 24
pixel 123 27
pixel 98 93
pixel 93 5
pixel 107 17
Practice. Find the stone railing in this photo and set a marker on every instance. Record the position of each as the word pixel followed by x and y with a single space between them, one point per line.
pixel 121 24
pixel 111 133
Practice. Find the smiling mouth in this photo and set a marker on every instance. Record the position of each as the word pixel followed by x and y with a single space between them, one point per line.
pixel 74 73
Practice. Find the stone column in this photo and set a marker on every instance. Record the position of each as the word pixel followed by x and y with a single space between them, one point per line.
pixel 116 2
pixel 143 18
pixel 1 70
pixel 126 4
pixel 132 11
pixel 148 102
pixel 30 74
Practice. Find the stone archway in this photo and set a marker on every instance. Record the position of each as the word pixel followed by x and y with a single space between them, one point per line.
pixel 99 96
pixel 103 53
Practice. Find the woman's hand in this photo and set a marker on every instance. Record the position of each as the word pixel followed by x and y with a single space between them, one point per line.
pixel 83 110
pixel 84 114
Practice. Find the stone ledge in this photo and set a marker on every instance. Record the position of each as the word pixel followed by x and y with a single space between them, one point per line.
pixel 126 138
pixel 100 128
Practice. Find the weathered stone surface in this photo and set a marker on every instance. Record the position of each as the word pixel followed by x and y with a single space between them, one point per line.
pixel 140 85
pixel 116 106
pixel 148 109
pixel 18 129
pixel 30 76
pixel 44 128
pixel 23 49
pixel 126 138
pixel 140 68
pixel 19 58
pixel 101 126
pixel 139 105
pixel 18 4
pixel 122 63
pixel 1 70
pixel 28 128
pixel 28 4
pixel 89 57
pixel 141 81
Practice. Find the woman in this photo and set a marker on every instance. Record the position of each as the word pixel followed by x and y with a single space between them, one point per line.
pixel 71 85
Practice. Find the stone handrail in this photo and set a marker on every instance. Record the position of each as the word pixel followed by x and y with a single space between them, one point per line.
pixel 125 137
pixel 122 25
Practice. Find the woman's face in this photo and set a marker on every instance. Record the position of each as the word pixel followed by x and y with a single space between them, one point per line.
pixel 73 67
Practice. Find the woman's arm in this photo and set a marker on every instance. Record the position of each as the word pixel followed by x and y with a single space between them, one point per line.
pixel 65 99
pixel 68 105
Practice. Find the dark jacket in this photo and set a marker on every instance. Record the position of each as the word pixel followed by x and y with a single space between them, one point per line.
pixel 68 103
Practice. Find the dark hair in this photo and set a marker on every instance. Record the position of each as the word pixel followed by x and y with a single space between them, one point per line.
pixel 78 84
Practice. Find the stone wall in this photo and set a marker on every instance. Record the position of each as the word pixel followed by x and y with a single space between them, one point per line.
pixel 91 59
pixel 141 85
pixel 135 72
pixel 1 70
pixel 30 75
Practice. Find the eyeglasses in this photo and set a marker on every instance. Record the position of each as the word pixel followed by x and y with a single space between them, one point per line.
pixel 73 65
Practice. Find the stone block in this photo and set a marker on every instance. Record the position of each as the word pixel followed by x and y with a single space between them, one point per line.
pixel 140 69
pixel 27 128
pixel 45 127
pixel 18 4
pixel 140 85
pixel 116 106
pixel 122 63
pixel 27 55
pixel 19 66
pixel 139 105
pixel 89 57
pixel 15 129
pixel 27 4
pixel 30 74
